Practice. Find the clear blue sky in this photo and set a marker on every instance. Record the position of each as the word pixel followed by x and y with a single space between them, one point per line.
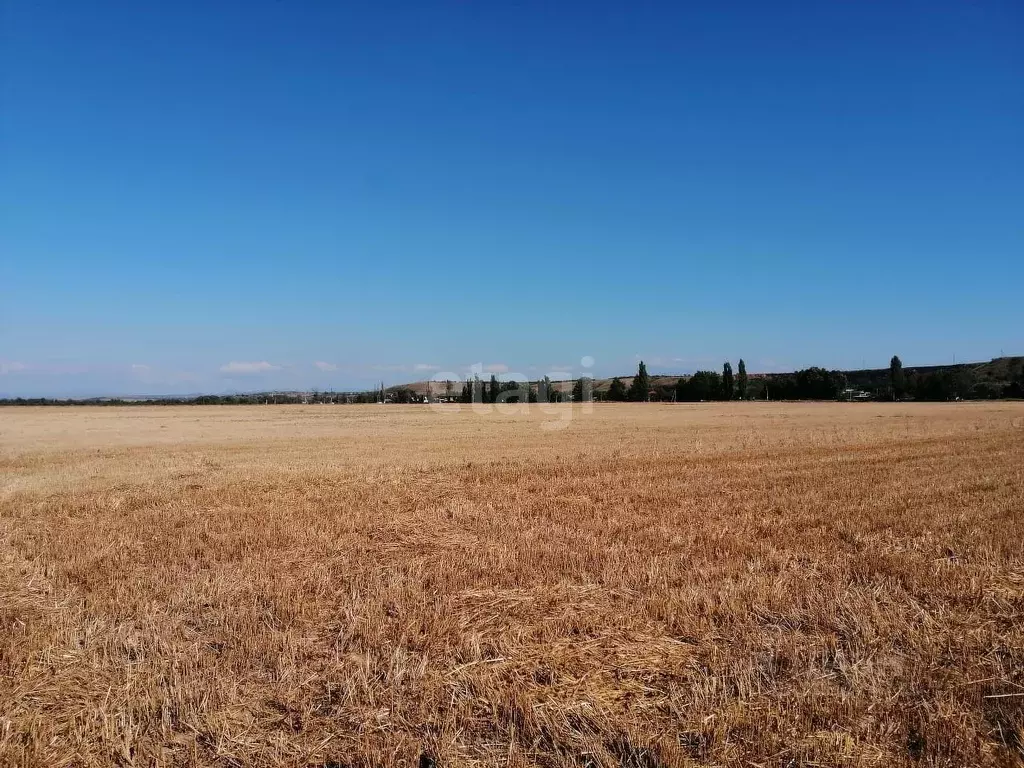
pixel 236 195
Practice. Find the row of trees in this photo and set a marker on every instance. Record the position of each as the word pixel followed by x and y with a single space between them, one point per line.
pixel 703 385
pixel 951 383
pixel 938 383
pixel 815 383
pixel 477 390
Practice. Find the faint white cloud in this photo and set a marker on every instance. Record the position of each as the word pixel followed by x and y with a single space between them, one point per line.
pixel 426 367
pixel 235 367
pixel 142 373
pixel 496 368
pixel 155 375
pixel 387 367
pixel 325 366
pixel 12 366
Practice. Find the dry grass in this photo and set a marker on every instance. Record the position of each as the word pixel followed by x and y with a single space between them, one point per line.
pixel 740 584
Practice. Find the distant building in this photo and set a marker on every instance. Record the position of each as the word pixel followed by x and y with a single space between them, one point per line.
pixel 853 395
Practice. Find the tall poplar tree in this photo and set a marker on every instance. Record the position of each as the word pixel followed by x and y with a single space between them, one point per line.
pixel 641 386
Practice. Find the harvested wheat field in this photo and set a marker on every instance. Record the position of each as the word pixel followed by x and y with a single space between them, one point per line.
pixel 759 584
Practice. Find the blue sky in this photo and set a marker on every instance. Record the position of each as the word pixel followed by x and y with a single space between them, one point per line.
pixel 240 195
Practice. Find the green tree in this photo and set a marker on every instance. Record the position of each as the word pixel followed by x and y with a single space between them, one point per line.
pixel 936 385
pixel 727 382
pixel 703 385
pixel 583 389
pixel 681 389
pixel 513 392
pixel 617 390
pixel 641 386
pixel 897 379
pixel 1016 387
pixel 494 389
pixel 818 384
pixel 544 390
pixel 741 381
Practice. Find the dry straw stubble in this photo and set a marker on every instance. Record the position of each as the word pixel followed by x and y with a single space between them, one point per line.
pixel 730 584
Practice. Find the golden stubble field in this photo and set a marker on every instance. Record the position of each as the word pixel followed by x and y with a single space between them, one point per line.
pixel 758 584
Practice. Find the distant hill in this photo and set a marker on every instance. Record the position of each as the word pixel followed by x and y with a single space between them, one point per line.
pixel 998 371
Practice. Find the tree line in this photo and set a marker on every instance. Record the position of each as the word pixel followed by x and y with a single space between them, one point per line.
pixel 896 383
pixel 938 383
pixel 477 390
pixel 701 386
pixel 815 383
pixel 952 382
